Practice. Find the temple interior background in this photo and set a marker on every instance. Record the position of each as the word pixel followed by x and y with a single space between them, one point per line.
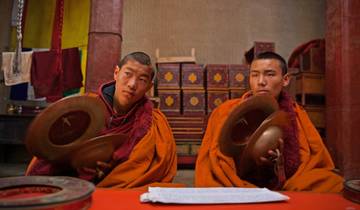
pixel 204 38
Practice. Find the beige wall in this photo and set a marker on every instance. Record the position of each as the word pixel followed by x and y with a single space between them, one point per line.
pixel 219 30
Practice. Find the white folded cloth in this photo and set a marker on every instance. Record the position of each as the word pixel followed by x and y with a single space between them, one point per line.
pixel 11 77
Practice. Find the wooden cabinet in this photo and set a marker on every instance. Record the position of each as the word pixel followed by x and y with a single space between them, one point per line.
pixel 170 101
pixel 13 128
pixel 238 76
pixel 168 76
pixel 316 115
pixel 236 93
pixel 217 76
pixel 192 76
pixel 215 98
pixel 13 153
pixel 310 93
pixel 194 102
pixel 310 88
pixel 313 60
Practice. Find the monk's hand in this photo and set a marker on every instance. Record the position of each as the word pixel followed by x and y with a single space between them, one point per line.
pixel 102 168
pixel 98 173
pixel 274 156
pixel 275 160
pixel 279 167
pixel 86 173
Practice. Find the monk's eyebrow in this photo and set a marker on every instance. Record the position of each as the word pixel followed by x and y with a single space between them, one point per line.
pixel 269 70
pixel 141 75
pixel 265 71
pixel 129 68
pixel 145 75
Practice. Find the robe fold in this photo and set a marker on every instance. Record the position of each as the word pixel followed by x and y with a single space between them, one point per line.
pixel 152 161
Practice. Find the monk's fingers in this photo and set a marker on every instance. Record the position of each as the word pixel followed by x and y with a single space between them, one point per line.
pixel 272 154
pixel 281 145
pixel 99 173
pixel 87 170
pixel 280 159
pixel 265 161
pixel 102 165
pixel 277 151
pixel 102 168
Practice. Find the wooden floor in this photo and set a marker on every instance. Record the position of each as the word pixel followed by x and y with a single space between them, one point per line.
pixel 12 169
pixel 185 176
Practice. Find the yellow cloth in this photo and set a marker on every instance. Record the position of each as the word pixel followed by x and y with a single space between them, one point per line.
pixel 214 169
pixel 39 23
pixel 40 18
pixel 76 23
pixel 83 51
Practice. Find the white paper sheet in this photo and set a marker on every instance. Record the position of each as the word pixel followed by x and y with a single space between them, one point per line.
pixel 216 195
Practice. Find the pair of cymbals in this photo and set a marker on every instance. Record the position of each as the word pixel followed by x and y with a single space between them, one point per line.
pixel 251 130
pixel 65 132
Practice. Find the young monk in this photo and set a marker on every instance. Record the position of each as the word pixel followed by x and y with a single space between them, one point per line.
pixel 148 157
pixel 305 161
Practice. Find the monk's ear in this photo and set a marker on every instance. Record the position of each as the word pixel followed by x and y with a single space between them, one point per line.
pixel 286 79
pixel 116 71
pixel 150 86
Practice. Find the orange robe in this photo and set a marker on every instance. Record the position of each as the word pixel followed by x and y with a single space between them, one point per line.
pixel 214 169
pixel 151 162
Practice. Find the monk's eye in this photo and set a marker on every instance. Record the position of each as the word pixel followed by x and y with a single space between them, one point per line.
pixel 143 80
pixel 127 73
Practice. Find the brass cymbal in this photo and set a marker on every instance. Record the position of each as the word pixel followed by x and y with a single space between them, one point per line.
pixel 97 149
pixel 64 125
pixel 243 121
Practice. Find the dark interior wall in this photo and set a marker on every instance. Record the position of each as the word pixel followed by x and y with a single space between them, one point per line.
pixel 220 31
pixel 5 15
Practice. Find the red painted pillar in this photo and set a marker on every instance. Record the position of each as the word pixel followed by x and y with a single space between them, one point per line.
pixel 343 84
pixel 105 38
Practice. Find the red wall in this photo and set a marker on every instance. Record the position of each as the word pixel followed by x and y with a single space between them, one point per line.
pixel 343 84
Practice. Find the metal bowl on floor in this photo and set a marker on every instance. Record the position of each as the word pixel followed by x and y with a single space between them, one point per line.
pixel 352 190
pixel 45 192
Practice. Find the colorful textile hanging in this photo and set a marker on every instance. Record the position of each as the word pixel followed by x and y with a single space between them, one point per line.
pixel 39 23
pixel 39 27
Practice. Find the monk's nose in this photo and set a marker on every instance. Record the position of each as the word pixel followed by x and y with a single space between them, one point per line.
pixel 262 80
pixel 132 83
